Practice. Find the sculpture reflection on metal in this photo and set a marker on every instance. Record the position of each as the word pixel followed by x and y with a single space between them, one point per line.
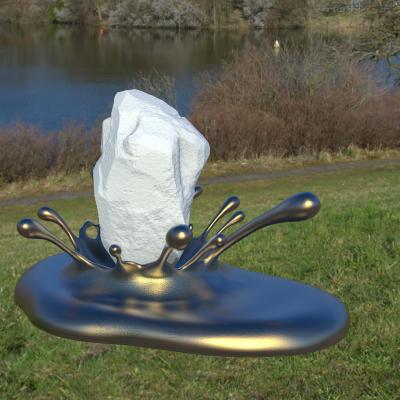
pixel 196 303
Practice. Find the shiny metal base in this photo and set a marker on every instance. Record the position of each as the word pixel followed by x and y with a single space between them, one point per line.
pixel 195 304
pixel 223 311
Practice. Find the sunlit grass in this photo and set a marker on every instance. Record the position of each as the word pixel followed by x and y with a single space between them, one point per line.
pixel 351 249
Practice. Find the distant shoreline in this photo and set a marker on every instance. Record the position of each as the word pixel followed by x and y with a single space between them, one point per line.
pixel 345 21
pixel 187 14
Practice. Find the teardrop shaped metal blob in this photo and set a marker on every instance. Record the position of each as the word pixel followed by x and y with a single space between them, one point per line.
pixel 159 268
pixel 198 190
pixel 179 237
pixel 230 204
pixel 214 243
pixel 32 229
pixel 130 266
pixel 115 251
pixel 236 218
pixel 300 207
pixel 48 214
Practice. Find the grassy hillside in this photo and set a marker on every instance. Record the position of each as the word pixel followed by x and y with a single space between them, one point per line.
pixel 351 249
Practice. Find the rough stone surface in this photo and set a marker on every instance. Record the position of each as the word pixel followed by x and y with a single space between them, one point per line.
pixel 145 178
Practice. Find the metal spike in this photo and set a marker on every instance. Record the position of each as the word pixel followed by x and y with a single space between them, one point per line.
pixel 299 207
pixel 235 219
pixel 50 215
pixel 177 238
pixel 230 204
pixel 33 229
pixel 215 242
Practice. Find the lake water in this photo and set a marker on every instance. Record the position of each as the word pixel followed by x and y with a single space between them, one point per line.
pixel 53 74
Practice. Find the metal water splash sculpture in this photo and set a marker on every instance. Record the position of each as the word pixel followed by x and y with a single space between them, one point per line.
pixel 197 304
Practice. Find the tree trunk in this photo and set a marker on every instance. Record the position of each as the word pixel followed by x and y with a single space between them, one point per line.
pixel 214 14
pixel 98 9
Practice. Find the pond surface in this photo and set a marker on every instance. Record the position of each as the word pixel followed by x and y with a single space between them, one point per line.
pixel 54 74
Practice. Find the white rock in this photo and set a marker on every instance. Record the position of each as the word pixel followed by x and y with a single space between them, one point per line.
pixel 145 178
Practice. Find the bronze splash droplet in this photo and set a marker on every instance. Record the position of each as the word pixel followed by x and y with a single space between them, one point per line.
pixel 299 207
pixel 32 229
pixel 230 204
pixel 50 215
pixel 236 218
pixel 214 243
pixel 178 237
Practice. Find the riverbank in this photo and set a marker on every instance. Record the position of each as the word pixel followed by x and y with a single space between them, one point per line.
pixel 293 103
pixel 64 186
pixel 186 14
pixel 305 104
pixel 236 22
pixel 170 14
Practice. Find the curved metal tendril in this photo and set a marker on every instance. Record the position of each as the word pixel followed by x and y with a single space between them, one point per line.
pixel 33 229
pixel 299 207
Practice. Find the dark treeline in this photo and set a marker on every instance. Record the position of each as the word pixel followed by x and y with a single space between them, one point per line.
pixel 178 14
pixel 157 13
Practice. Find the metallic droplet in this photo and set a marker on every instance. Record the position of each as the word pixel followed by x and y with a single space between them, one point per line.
pixel 179 237
pixel 50 215
pixel 128 266
pixel 300 207
pixel 115 250
pixel 235 219
pixel 32 229
pixel 216 242
pixel 230 204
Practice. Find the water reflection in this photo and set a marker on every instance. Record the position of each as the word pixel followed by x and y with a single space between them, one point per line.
pixel 52 74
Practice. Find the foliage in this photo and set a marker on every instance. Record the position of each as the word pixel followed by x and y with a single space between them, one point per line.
pixel 384 14
pixel 158 13
pixel 155 13
pixel 275 13
pixel 288 13
pixel 289 102
pixel 256 11
pixel 197 13
pixel 24 10
pixel 264 103
pixel 158 84
pixel 34 154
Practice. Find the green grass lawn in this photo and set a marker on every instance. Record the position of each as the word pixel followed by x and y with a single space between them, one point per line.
pixel 351 249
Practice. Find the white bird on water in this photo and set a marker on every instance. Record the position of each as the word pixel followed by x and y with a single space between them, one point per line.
pixel 276 44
